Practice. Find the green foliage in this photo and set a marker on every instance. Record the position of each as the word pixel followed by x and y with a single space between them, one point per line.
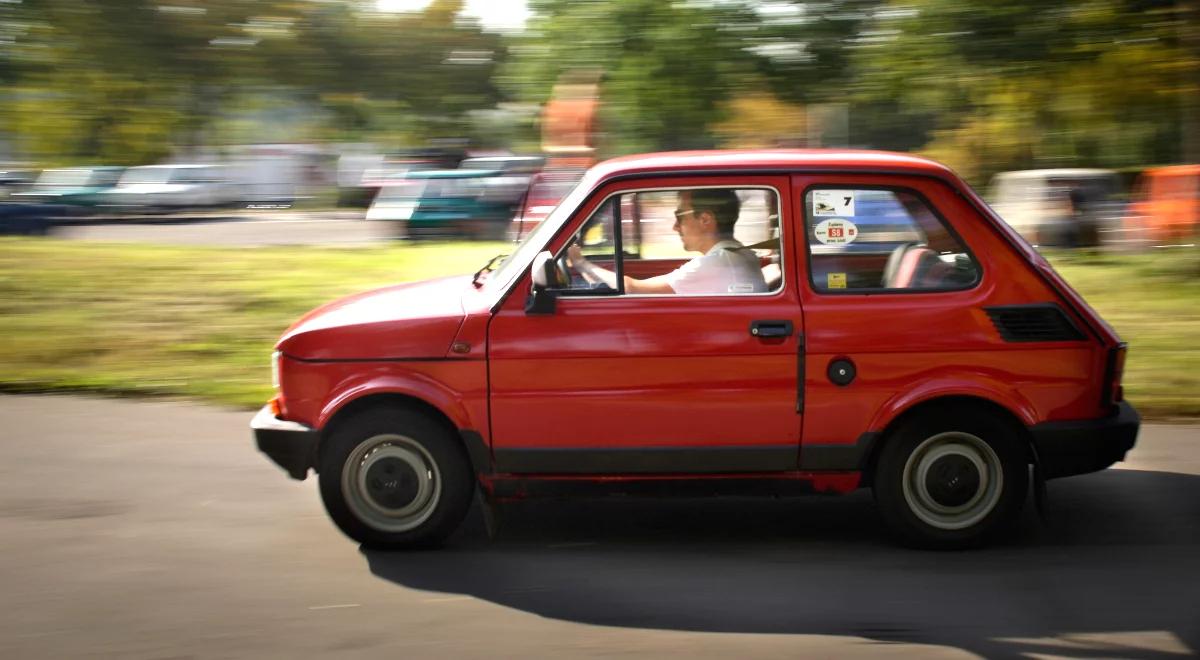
pixel 984 86
pixel 160 320
pixel 1026 84
pixel 124 81
pixel 667 66
pixel 200 322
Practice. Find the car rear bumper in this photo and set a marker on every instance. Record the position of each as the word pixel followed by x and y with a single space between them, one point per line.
pixel 290 445
pixel 1079 447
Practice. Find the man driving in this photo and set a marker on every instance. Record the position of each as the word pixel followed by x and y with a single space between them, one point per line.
pixel 704 220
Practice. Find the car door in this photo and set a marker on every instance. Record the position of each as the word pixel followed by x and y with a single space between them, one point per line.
pixel 621 383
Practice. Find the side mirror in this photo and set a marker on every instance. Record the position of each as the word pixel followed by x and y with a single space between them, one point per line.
pixel 543 270
pixel 542 297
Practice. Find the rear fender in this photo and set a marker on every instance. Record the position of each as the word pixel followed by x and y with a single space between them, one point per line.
pixel 966 385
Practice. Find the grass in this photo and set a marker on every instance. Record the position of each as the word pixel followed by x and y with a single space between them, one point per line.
pixel 1153 302
pixel 200 322
pixel 196 322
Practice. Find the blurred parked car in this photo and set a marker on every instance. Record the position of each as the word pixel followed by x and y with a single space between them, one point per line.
pixel 1058 207
pixel 171 188
pixel 36 219
pixel 510 176
pixel 546 189
pixel 82 188
pixel 14 180
pixel 443 204
pixel 362 175
pixel 1166 206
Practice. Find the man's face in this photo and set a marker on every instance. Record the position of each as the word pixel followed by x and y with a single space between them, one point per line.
pixel 689 225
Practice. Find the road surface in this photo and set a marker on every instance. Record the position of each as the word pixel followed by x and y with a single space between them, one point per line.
pixel 156 530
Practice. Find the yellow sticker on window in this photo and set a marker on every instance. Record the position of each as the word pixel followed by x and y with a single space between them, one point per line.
pixel 836 281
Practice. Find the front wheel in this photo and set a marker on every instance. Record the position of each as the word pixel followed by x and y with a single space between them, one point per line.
pixel 395 479
pixel 952 480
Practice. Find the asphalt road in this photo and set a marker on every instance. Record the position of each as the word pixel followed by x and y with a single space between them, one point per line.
pixel 156 530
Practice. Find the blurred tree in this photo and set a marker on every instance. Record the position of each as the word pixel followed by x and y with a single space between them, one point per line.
pixel 668 66
pixel 1027 83
pixel 124 80
pixel 758 120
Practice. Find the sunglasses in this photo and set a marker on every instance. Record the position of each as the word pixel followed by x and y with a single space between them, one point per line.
pixel 679 214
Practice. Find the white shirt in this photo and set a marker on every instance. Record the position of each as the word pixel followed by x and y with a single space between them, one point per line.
pixel 729 267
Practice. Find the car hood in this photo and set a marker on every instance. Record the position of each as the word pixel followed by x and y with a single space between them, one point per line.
pixel 416 320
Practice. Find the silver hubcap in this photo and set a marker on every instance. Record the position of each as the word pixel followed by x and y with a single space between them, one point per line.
pixel 391 483
pixel 952 480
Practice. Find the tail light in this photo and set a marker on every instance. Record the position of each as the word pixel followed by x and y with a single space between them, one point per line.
pixel 1113 392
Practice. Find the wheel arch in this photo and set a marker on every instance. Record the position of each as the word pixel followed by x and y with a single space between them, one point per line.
pixel 382 400
pixel 932 406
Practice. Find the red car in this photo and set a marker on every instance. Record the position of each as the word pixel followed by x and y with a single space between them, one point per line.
pixel 742 336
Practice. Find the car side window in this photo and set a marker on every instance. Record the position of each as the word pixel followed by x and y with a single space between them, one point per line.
pixel 891 239
pixel 678 241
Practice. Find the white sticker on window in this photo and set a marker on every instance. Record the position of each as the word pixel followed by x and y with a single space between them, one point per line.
pixel 833 202
pixel 836 231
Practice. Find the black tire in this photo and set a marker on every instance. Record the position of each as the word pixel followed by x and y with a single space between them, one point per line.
pixel 953 479
pixel 395 478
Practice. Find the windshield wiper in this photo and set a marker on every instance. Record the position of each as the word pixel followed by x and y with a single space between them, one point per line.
pixel 487 268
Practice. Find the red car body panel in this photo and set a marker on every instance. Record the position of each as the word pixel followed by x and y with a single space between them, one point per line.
pixel 637 372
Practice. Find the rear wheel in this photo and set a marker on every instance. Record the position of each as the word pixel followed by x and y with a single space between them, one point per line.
pixel 951 480
pixel 395 479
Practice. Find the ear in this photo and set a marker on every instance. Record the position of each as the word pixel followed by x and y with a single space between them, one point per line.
pixel 707 219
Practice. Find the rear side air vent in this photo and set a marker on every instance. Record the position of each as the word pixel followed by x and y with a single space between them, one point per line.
pixel 1040 322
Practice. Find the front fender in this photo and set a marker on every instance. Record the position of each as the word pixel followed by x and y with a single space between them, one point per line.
pixel 420 386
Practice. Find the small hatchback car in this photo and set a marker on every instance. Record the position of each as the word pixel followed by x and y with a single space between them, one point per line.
pixel 714 322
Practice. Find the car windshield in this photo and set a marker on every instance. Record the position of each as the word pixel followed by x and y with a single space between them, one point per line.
pixel 138 175
pixel 405 190
pixel 56 178
pixel 537 238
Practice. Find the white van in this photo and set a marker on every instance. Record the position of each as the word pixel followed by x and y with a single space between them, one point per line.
pixel 1057 207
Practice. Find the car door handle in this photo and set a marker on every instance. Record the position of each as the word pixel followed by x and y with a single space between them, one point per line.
pixel 771 328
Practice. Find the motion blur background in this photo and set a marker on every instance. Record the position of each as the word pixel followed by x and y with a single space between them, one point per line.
pixel 984 87
pixel 328 123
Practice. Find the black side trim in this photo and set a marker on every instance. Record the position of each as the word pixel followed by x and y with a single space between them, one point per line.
pixel 654 460
pixel 411 359
pixel 839 457
pixel 1035 322
pixel 477 451
pixel 290 445
pixel 519 488
pixel 1079 447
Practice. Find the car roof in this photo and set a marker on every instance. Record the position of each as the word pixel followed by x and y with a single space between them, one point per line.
pixel 172 166
pixel 454 174
pixel 504 159
pixel 771 159
pixel 1057 172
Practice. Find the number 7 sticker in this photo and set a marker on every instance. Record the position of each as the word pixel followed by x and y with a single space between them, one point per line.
pixel 833 202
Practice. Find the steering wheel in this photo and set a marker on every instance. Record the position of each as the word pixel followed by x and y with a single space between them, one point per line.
pixel 562 276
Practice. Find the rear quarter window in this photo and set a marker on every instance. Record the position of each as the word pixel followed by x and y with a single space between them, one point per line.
pixel 875 239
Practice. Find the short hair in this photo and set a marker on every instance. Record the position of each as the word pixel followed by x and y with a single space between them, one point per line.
pixel 723 203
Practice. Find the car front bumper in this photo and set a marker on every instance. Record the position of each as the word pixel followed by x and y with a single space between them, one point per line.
pixel 290 445
pixel 1079 447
